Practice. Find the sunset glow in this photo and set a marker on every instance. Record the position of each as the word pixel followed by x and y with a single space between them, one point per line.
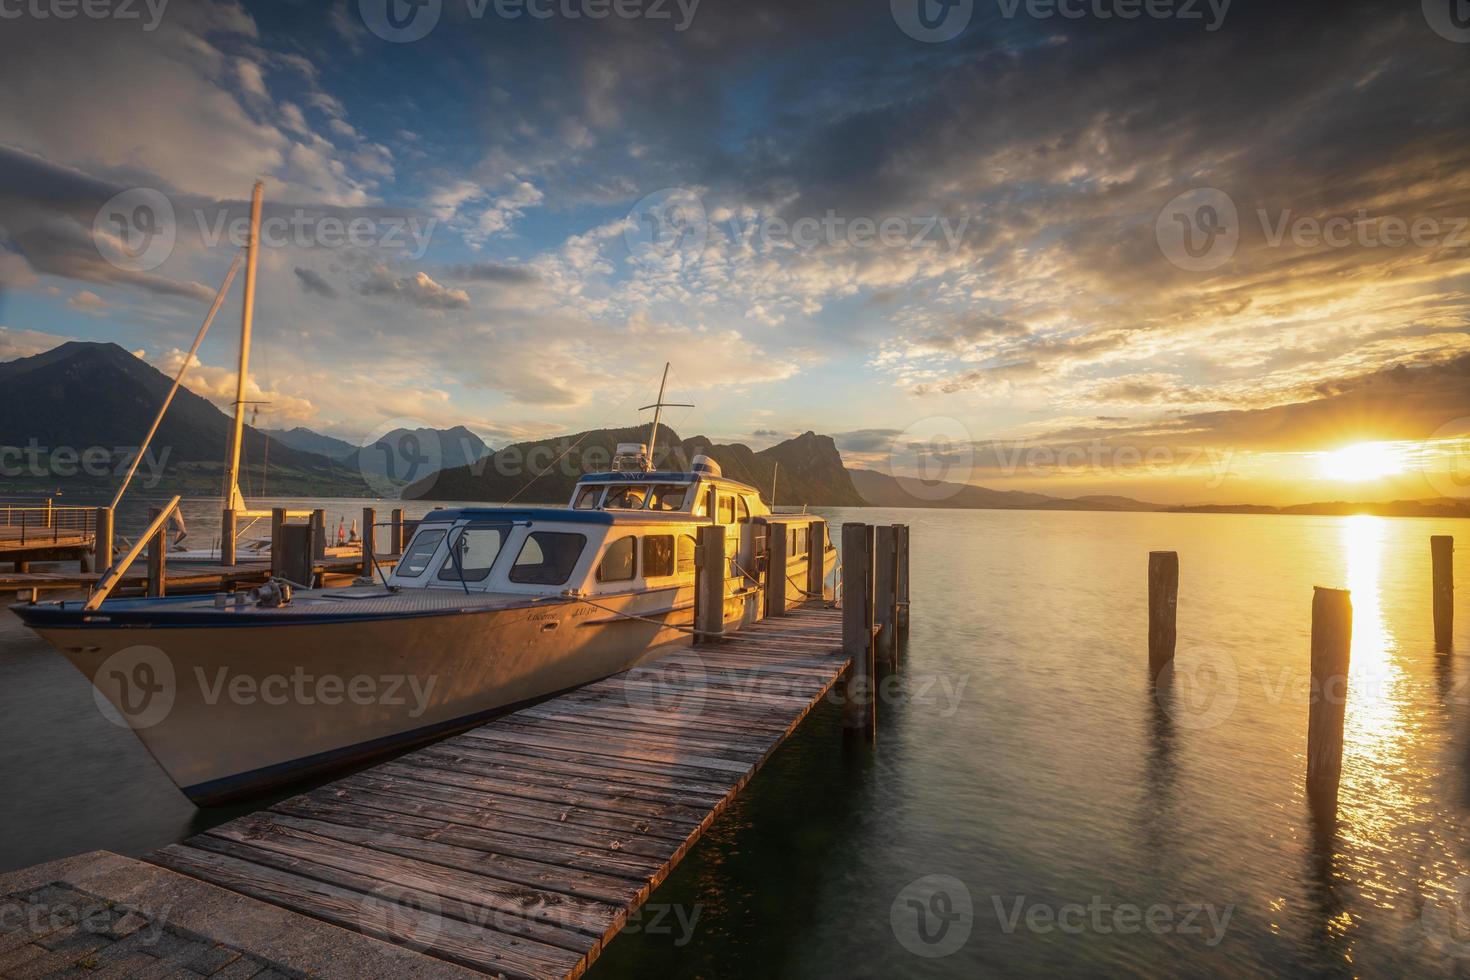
pixel 1362 462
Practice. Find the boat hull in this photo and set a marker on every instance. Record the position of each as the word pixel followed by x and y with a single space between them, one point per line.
pixel 231 710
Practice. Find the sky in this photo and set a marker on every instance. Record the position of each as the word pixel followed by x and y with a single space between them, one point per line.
pixel 1182 250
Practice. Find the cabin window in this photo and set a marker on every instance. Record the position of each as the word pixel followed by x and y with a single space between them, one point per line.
pixel 727 509
pixel 472 553
pixel 625 498
pixel 619 561
pixel 587 498
pixel 667 497
pixel 658 555
pixel 701 504
pixel 744 511
pixel 416 561
pixel 547 558
pixel 684 562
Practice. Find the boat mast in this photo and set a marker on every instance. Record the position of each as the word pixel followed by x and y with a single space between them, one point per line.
pixel 233 500
pixel 658 408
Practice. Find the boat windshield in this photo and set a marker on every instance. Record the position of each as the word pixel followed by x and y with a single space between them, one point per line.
pixel 416 560
pixel 625 498
pixel 472 553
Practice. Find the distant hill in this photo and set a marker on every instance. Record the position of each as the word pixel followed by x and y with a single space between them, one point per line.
pixel 407 452
pixel 83 397
pixel 883 490
pixel 308 441
pixel 808 469
pixel 1343 508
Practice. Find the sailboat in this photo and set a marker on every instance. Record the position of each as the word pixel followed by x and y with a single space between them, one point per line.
pixel 490 608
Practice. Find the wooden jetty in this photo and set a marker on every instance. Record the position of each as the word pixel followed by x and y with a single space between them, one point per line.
pixel 519 847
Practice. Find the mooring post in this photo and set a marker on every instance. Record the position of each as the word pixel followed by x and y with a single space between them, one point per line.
pixel 1442 551
pixel 857 625
pixel 278 521
pixel 318 535
pixel 227 525
pixel 369 539
pixel 816 563
pixel 157 557
pixel 709 583
pixel 1163 603
pixel 885 596
pixel 395 531
pixel 901 586
pixel 1332 640
pixel 102 540
pixel 777 562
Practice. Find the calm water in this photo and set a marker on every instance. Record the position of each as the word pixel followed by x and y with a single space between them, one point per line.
pixel 1082 825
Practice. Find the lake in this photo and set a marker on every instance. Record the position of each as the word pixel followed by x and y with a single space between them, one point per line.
pixel 1030 807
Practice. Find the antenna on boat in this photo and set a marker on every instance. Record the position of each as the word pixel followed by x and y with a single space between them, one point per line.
pixel 658 408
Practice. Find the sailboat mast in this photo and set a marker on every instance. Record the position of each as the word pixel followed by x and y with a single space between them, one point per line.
pixel 247 313
pixel 657 411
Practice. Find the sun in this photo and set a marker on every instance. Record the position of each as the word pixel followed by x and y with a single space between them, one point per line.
pixel 1360 462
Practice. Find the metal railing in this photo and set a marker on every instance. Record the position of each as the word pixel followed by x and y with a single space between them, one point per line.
pixel 46 522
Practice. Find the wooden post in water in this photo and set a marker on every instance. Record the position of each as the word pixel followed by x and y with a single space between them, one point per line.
pixel 157 557
pixel 102 540
pixel 395 532
pixel 1442 551
pixel 278 520
pixel 857 625
pixel 1163 603
pixel 777 560
pixel 1332 640
pixel 227 537
pixel 901 586
pixel 318 535
pixel 816 563
pixel 369 539
pixel 885 596
pixel 709 583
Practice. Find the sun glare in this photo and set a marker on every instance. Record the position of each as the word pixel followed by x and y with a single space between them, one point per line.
pixel 1360 462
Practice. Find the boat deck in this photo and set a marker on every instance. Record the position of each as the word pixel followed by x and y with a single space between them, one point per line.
pixel 522 846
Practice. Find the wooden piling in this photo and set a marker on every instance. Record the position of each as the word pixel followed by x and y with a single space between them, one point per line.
pixel 157 557
pixel 278 521
pixel 1332 640
pixel 1442 552
pixel 885 596
pixel 369 539
pixel 1163 602
pixel 102 540
pixel 777 562
pixel 816 565
pixel 227 525
pixel 395 532
pixel 901 586
pixel 709 583
pixel 857 626
pixel 319 535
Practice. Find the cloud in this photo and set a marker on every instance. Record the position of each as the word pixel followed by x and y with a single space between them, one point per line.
pixel 27 343
pixel 313 282
pixel 88 302
pixel 494 272
pixel 416 290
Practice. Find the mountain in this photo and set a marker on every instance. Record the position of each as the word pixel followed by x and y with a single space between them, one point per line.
pixel 311 442
pixel 808 469
pixel 882 490
pixel 1342 508
pixel 79 411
